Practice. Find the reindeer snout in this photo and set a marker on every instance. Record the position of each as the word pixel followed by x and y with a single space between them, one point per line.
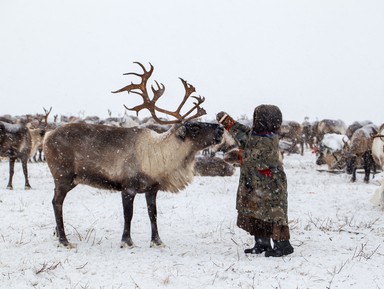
pixel 320 162
pixel 219 133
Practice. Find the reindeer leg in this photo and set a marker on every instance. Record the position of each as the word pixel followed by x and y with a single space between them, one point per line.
pixel 152 212
pixel 302 147
pixel 353 179
pixel 24 163
pixel 367 166
pixel 40 159
pixel 128 197
pixel 11 172
pixel 57 202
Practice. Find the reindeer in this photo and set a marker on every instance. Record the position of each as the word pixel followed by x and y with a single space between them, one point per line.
pixel 355 126
pixel 329 126
pixel 213 166
pixel 332 151
pixel 378 147
pixel 37 136
pixel 309 133
pixel 15 143
pixel 131 160
pixel 360 152
pixel 292 132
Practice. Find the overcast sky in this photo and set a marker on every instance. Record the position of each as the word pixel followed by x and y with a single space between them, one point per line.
pixel 315 58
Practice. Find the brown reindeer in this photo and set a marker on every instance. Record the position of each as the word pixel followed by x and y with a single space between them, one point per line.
pixel 355 126
pixel 292 131
pixel 131 160
pixel 37 136
pixel 15 143
pixel 329 126
pixel 360 152
pixel 213 167
pixel 309 132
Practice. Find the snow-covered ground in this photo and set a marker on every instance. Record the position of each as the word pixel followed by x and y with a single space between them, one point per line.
pixel 336 231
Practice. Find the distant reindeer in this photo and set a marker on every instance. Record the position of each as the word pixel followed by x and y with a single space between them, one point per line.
pixel 293 132
pixel 213 166
pixel 378 147
pixel 332 151
pixel 15 143
pixel 131 160
pixel 309 133
pixel 37 136
pixel 360 152
pixel 329 126
pixel 355 126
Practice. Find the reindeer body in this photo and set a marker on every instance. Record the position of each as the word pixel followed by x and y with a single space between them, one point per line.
pixel 130 160
pixel 360 152
pixel 329 126
pixel 293 132
pixel 15 143
pixel 378 148
pixel 37 137
pixel 332 151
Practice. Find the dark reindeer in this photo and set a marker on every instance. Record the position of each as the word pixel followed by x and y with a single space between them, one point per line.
pixel 130 160
pixel 15 143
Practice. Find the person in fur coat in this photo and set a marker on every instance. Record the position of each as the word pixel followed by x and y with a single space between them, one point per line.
pixel 262 192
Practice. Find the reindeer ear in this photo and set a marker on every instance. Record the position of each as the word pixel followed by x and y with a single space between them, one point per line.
pixel 181 131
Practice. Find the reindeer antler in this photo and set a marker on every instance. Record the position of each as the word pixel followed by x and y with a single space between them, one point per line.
pixel 47 112
pixel 150 104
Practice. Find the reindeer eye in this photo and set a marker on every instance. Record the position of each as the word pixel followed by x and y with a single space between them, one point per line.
pixel 195 130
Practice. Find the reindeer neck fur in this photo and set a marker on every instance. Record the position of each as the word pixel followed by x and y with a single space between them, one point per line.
pixel 160 156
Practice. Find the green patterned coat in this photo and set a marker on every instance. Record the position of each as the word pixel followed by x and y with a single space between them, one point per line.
pixel 262 191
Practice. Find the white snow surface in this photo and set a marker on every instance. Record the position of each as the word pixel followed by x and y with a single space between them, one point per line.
pixel 336 231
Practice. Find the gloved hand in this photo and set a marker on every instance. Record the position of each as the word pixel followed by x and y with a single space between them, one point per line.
pixel 220 115
pixel 223 118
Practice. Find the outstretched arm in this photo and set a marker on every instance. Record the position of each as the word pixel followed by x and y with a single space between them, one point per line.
pixel 237 130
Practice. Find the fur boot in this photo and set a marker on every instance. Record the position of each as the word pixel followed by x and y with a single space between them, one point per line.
pixel 280 248
pixel 261 245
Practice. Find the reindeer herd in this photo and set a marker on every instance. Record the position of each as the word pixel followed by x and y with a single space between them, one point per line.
pixel 341 147
pixel 160 154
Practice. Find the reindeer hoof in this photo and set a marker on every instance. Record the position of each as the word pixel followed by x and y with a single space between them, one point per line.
pixel 9 188
pixel 157 244
pixel 67 245
pixel 128 246
pixel 28 187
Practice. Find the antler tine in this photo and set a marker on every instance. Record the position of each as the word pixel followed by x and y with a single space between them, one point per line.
pixel 47 112
pixel 146 73
pixel 199 110
pixel 157 93
pixel 189 89
pixel 142 86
